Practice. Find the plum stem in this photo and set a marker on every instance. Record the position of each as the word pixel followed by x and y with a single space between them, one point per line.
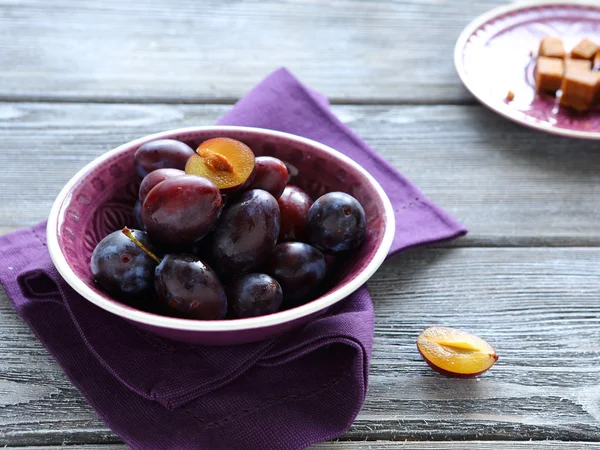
pixel 127 232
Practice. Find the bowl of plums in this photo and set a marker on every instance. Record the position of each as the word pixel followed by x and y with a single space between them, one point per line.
pixel 219 235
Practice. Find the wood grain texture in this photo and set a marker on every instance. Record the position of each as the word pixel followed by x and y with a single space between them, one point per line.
pixel 510 186
pixel 538 307
pixel 119 70
pixel 385 445
pixel 190 51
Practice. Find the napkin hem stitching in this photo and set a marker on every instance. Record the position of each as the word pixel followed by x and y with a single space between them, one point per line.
pixel 35 233
pixel 326 113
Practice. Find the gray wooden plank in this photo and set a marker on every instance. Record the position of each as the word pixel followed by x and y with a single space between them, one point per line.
pixel 460 445
pixel 538 307
pixel 190 51
pixel 384 445
pixel 510 186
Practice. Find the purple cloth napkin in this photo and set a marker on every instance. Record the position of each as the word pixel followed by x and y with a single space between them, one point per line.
pixel 285 393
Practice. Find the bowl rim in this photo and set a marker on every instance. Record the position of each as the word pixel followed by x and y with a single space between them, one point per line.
pixel 279 318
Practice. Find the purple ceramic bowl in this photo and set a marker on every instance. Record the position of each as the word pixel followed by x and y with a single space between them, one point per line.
pixel 99 200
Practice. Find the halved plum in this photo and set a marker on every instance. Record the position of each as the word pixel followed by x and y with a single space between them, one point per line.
pixel 226 162
pixel 455 353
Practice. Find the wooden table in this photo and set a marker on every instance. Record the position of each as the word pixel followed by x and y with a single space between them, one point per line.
pixel 78 78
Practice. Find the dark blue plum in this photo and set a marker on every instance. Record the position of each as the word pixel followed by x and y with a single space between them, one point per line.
pixel 161 154
pixel 294 205
pixel 181 210
pixel 246 232
pixel 299 268
pixel 189 288
pixel 155 177
pixel 271 175
pixel 336 223
pixel 121 267
pixel 253 294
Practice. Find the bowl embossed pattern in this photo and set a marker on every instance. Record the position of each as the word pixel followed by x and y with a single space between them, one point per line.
pixel 99 200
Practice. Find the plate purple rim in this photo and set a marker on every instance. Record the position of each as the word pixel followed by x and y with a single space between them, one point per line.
pixel 499 107
pixel 330 298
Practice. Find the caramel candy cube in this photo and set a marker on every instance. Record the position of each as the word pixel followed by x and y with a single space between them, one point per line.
pixel 586 49
pixel 548 74
pixel 551 47
pixel 597 60
pixel 578 64
pixel 579 90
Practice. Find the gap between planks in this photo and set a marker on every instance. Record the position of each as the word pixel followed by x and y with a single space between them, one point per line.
pixel 385 49
pixel 510 187
pixel 220 100
pixel 383 445
pixel 535 307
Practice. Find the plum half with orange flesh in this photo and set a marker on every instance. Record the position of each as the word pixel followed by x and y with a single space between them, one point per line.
pixel 226 162
pixel 455 353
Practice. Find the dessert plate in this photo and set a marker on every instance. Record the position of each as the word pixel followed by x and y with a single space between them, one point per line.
pixel 493 56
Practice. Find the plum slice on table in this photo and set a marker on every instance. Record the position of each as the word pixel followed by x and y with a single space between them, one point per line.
pixel 455 353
